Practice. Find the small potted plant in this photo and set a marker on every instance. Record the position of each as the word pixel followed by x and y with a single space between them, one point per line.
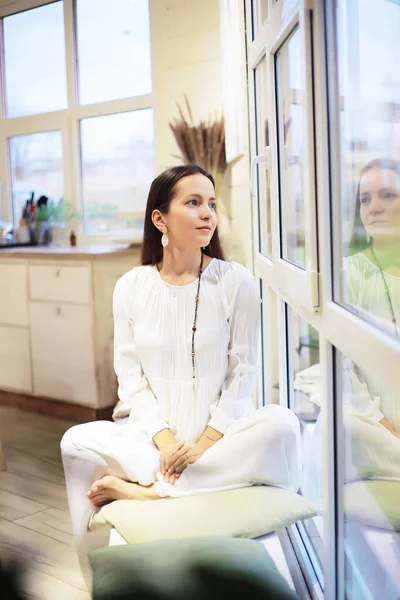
pixel 50 217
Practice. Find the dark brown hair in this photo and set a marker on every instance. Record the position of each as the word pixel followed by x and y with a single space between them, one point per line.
pixel 359 240
pixel 162 191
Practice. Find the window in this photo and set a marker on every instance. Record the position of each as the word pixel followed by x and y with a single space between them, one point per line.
pixel 305 397
pixel 117 168
pixel 263 178
pixel 113 50
pixel 36 168
pixel 290 92
pixel 34 61
pixel 335 199
pixel 368 96
pixel 78 119
pixel 260 13
pixel 370 494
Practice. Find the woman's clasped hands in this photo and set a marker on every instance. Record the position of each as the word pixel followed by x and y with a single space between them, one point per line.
pixel 175 459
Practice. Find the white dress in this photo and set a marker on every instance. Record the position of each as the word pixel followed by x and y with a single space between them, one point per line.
pixel 372 451
pixel 367 296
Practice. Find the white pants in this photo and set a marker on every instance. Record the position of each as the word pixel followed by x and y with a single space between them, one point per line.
pixel 263 448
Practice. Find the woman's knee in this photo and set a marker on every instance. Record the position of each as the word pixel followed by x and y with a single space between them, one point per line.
pixel 282 422
pixel 72 440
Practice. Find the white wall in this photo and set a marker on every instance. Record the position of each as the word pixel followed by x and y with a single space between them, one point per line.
pixel 187 60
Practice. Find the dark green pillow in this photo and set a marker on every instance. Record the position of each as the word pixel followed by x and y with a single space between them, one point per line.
pixel 188 568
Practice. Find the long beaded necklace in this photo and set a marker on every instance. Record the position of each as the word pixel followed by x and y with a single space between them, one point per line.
pixel 387 291
pixel 196 306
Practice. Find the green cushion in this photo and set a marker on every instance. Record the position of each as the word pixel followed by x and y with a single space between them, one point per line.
pixel 191 568
pixel 373 503
pixel 247 512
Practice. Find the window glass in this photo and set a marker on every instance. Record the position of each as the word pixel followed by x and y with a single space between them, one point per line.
pixel 34 60
pixel 36 168
pixel 117 169
pixel 113 49
pixel 290 95
pixel 259 11
pixel 263 176
pixel 305 399
pixel 369 87
pixel 371 423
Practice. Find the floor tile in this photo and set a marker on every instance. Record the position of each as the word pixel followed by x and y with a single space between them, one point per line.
pixel 45 587
pixel 46 492
pixel 52 522
pixel 14 507
pixel 42 553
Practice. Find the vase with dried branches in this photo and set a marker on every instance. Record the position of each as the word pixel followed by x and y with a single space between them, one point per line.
pixel 203 144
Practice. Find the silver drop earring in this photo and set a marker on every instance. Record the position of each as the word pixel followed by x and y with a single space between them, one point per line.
pixel 368 238
pixel 164 239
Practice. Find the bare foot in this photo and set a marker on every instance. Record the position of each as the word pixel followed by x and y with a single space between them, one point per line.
pixel 110 488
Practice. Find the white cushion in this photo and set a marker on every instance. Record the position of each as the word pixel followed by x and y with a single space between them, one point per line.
pixel 373 503
pixel 244 512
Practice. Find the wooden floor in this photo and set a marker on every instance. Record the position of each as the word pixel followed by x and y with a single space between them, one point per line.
pixel 34 518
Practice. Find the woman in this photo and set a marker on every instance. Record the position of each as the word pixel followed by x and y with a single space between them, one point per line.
pixel 371 415
pixel 374 267
pixel 186 327
pixel 374 264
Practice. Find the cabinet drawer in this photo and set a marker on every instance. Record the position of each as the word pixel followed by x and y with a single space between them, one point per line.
pixel 60 283
pixel 62 352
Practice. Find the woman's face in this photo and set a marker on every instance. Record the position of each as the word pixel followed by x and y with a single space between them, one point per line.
pixel 380 204
pixel 192 219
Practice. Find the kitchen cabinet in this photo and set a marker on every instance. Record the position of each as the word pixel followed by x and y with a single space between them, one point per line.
pixel 13 294
pixel 56 326
pixel 15 361
pixel 63 361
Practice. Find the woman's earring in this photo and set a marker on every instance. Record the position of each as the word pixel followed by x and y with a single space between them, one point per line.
pixel 368 238
pixel 164 239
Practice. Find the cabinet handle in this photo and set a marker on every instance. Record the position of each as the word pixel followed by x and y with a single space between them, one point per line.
pixel 58 273
pixel 58 311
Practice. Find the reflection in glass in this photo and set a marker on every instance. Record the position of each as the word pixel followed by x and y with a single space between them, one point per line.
pixel 374 264
pixel 117 169
pixel 34 60
pixel 113 49
pixel 290 94
pixel 371 420
pixel 369 88
pixel 263 177
pixel 36 166
pixel 305 401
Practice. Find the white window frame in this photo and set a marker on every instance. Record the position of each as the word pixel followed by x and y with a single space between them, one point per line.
pixel 67 122
pixel 280 273
pixel 340 330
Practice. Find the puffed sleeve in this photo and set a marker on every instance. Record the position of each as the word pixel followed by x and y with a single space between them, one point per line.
pixel 235 400
pixel 134 391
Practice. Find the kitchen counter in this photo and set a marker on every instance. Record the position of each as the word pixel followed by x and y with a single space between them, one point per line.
pixel 88 252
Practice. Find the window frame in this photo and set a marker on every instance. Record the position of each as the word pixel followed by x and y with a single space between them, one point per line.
pixel 66 121
pixel 340 331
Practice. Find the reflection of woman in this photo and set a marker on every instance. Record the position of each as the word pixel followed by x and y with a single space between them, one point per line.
pixel 374 264
pixel 371 415
pixel 186 329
